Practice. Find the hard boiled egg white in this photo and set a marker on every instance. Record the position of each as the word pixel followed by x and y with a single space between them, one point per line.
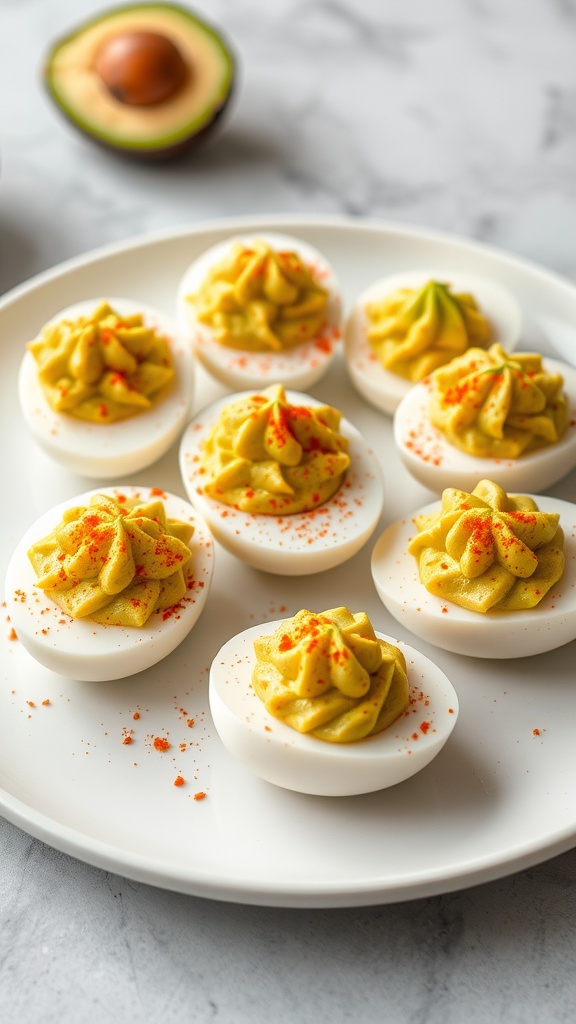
pixel 281 755
pixel 124 447
pixel 385 389
pixel 493 634
pixel 297 544
pixel 298 367
pixel 83 649
pixel 437 464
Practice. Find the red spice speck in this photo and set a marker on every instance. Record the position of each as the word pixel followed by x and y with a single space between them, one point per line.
pixel 160 743
pixel 174 609
pixel 190 723
pixel 424 726
pixel 178 781
pixel 136 716
pixel 323 344
pixel 12 634
pixel 199 796
pixel 536 732
pixel 127 740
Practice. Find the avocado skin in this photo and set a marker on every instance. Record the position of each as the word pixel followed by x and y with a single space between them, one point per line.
pixel 158 155
pixel 151 154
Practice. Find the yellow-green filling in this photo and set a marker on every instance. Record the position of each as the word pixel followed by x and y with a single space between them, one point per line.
pixel 491 404
pixel 260 300
pixel 268 456
pixel 103 367
pixel 413 331
pixel 488 550
pixel 330 676
pixel 115 562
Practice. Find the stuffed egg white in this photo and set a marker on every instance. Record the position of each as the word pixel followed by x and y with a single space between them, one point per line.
pixel 279 754
pixel 81 648
pixel 298 365
pixel 125 446
pixel 492 634
pixel 385 389
pixel 437 463
pixel 299 543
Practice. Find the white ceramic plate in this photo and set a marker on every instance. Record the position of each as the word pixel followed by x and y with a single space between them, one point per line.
pixel 501 795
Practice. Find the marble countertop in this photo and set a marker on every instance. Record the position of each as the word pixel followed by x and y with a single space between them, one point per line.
pixel 457 115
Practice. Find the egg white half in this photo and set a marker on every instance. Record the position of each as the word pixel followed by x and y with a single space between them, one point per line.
pixel 83 649
pixel 298 367
pixel 297 544
pixel 118 449
pixel 384 389
pixel 434 462
pixel 281 755
pixel 494 634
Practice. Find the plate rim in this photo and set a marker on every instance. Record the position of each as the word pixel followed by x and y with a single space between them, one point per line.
pixel 101 854
pixel 246 222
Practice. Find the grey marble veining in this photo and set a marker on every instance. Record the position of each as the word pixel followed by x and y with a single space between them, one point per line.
pixel 452 114
pixel 456 115
pixel 81 945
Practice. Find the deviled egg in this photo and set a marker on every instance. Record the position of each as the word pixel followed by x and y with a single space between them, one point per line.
pixel 533 440
pixel 302 761
pixel 260 309
pixel 468 308
pixel 115 600
pixel 280 504
pixel 106 387
pixel 485 574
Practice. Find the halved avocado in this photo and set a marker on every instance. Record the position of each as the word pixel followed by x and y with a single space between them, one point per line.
pixel 146 80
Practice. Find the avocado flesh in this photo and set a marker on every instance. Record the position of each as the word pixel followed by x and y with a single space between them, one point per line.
pixel 165 129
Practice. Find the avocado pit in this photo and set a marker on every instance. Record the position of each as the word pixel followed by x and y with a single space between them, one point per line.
pixel 141 68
